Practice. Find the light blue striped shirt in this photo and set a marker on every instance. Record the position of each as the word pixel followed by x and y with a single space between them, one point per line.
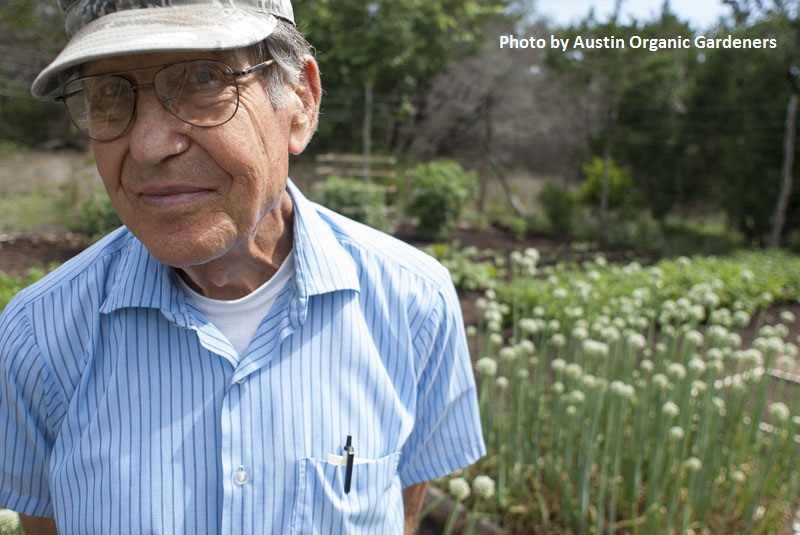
pixel 123 410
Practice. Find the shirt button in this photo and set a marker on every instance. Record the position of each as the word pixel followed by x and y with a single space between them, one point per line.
pixel 241 477
pixel 242 380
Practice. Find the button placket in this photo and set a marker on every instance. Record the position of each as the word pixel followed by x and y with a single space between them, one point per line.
pixel 234 460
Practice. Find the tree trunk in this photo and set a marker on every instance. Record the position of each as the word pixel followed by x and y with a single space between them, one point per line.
pixel 604 179
pixel 366 134
pixel 789 141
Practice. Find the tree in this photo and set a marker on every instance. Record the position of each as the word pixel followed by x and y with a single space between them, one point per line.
pixel 650 137
pixel 600 64
pixel 788 11
pixel 736 124
pixel 31 34
pixel 482 109
pixel 393 48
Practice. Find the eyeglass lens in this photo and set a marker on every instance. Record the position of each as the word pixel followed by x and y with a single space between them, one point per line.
pixel 201 93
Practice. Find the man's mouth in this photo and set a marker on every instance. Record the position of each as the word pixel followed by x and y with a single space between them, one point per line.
pixel 172 196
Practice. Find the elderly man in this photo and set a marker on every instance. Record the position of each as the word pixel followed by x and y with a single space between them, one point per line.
pixel 236 359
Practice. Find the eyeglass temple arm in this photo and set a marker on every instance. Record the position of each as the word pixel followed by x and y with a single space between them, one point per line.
pixel 254 68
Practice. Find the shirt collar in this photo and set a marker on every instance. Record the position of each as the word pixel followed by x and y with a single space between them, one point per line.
pixel 321 263
pixel 142 281
pixel 321 266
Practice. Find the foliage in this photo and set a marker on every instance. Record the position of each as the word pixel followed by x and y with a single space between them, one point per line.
pixel 500 216
pixel 31 33
pixel 745 280
pixel 609 356
pixel 31 122
pixel 637 230
pixel 469 268
pixel 10 286
pixel 358 199
pixel 27 212
pixel 737 118
pixel 619 184
pixel 686 125
pixel 561 207
pixel 644 234
pixel 96 216
pixel 650 132
pixel 85 206
pixel 396 45
pixel 32 22
pixel 437 193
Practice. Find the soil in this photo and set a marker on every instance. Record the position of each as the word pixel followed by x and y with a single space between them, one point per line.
pixel 18 254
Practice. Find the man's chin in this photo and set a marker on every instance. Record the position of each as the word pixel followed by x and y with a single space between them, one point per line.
pixel 184 250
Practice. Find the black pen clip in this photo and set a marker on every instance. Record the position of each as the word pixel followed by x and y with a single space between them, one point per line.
pixel 351 455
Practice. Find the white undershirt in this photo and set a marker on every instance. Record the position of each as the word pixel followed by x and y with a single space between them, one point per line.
pixel 239 319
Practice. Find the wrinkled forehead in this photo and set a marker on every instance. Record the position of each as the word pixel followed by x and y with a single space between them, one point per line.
pixel 236 59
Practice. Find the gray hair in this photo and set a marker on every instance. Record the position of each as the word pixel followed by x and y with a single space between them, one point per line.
pixel 288 48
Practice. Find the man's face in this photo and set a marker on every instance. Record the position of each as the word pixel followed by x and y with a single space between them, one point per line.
pixel 194 194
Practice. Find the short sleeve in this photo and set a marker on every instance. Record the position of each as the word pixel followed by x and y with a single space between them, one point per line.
pixel 447 430
pixel 26 445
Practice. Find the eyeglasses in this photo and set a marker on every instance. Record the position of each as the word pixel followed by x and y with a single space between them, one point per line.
pixel 202 93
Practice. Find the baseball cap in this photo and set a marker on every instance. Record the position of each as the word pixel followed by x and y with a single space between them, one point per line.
pixel 100 29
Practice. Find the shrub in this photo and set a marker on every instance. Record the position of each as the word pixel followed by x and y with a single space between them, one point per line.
pixel 437 193
pixel 619 184
pixel 356 199
pixel 560 206
pixel 469 268
pixel 96 216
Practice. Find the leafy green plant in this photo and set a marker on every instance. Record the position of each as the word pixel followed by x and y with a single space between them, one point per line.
pixel 355 198
pixel 10 286
pixel 561 208
pixel 619 184
pixel 83 204
pixel 96 216
pixel 469 268
pixel 623 399
pixel 437 193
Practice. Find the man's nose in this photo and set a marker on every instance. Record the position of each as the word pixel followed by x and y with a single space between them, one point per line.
pixel 155 134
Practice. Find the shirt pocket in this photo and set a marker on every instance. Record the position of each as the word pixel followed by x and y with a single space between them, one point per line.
pixel 373 505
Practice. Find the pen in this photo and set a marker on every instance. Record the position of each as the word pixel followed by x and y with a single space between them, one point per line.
pixel 351 454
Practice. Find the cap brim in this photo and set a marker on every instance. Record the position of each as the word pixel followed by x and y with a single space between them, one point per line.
pixel 178 28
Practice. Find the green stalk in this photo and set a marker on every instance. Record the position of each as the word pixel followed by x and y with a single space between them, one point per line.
pixel 691 492
pixel 501 447
pixel 679 453
pixel 451 519
pixel 600 504
pixel 588 448
pixel 654 476
pixel 619 445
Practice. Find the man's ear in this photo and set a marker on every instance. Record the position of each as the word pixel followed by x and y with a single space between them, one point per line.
pixel 306 97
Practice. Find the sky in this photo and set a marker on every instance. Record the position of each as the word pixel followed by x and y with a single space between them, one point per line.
pixel 701 14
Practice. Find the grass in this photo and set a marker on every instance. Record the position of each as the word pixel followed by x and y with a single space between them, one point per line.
pixel 29 212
